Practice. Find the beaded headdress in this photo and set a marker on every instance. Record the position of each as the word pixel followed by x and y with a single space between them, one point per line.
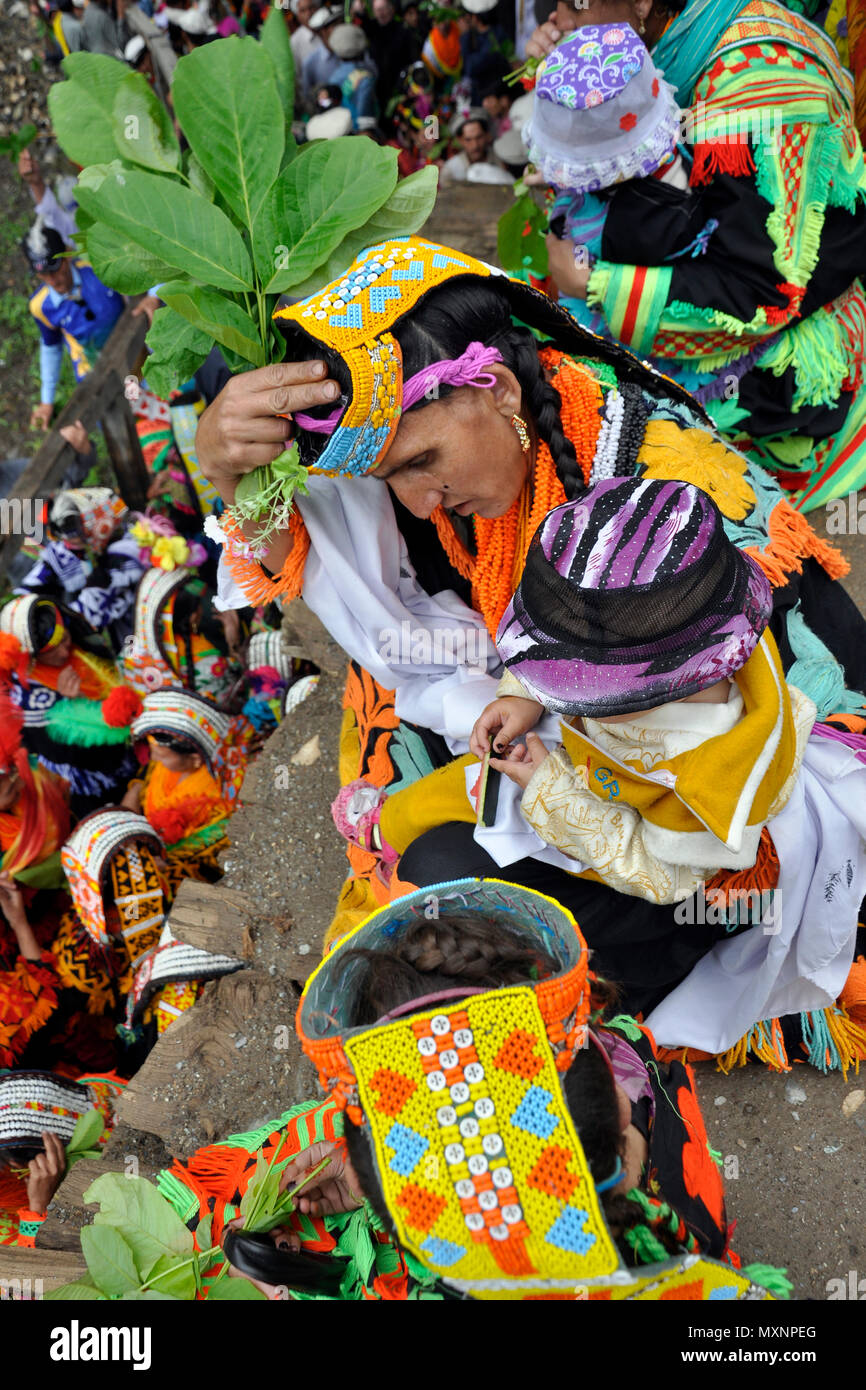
pixel 186 715
pixel 462 1102
pixel 97 509
pixel 87 858
pixel 146 660
pixel 355 317
pixel 33 1101
pixel 18 617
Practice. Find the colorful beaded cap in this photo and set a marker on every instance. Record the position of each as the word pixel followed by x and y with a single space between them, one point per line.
pixel 478 1158
pixel 86 857
pixel 351 316
pixel 186 715
pixel 18 617
pixel 144 662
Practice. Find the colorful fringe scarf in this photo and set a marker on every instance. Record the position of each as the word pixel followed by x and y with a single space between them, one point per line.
pixel 32 833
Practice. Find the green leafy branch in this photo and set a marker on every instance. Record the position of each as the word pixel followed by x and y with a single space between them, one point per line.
pixel 139 1249
pixel 227 226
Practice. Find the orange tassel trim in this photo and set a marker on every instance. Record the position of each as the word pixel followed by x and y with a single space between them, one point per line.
pixel 793 540
pixel 249 575
pixel 761 877
pixel 853 996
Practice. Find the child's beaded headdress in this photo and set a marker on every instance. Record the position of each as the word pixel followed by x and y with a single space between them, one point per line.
pixel 479 1161
pixel 174 710
pixel 88 862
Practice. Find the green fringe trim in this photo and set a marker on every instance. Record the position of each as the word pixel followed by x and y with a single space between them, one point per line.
pixel 821 167
pixel 818 350
pixel 184 1202
pixel 769 1277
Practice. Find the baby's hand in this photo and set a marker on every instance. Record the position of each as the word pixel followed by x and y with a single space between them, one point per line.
pixel 522 764
pixel 509 717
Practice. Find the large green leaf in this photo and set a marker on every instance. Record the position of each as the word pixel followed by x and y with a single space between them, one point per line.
pixel 109 1260
pixel 142 127
pixel 122 264
pixel 332 187
pixel 274 37
pixel 173 224
pixel 134 1207
pixel 178 349
pixel 87 1132
pixel 81 109
pixel 404 213
pixel 79 1292
pixel 166 1278
pixel 226 99
pixel 224 320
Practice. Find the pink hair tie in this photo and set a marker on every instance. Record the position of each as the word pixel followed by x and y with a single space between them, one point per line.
pixel 470 369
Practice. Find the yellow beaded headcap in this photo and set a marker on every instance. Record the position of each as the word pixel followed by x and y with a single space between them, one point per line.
pixel 352 316
pixel 478 1158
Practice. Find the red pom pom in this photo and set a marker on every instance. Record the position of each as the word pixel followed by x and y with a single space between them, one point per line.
pixel 628 121
pixel 13 658
pixel 170 823
pixel 655 86
pixel 11 724
pixel 122 706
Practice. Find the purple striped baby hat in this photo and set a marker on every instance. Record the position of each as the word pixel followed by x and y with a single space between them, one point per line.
pixel 632 596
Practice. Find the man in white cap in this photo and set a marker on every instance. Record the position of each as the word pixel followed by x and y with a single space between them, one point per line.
pixel 321 62
pixel 474 136
pixel 354 76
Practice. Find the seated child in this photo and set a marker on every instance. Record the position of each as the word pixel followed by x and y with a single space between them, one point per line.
pixel 179 794
pixel 684 754
pixel 604 116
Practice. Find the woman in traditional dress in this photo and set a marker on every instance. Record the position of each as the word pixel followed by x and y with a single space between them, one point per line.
pixel 488 1132
pixel 412 579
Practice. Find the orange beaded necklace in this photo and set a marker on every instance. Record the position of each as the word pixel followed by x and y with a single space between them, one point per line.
pixel 502 541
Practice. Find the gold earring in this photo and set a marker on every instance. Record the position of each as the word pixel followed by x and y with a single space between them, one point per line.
pixel 522 433
pixel 642 29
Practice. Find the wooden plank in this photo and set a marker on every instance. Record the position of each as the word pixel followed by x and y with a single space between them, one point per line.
pixel 121 355
pixel 213 918
pixel 124 447
pixel 28 1274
